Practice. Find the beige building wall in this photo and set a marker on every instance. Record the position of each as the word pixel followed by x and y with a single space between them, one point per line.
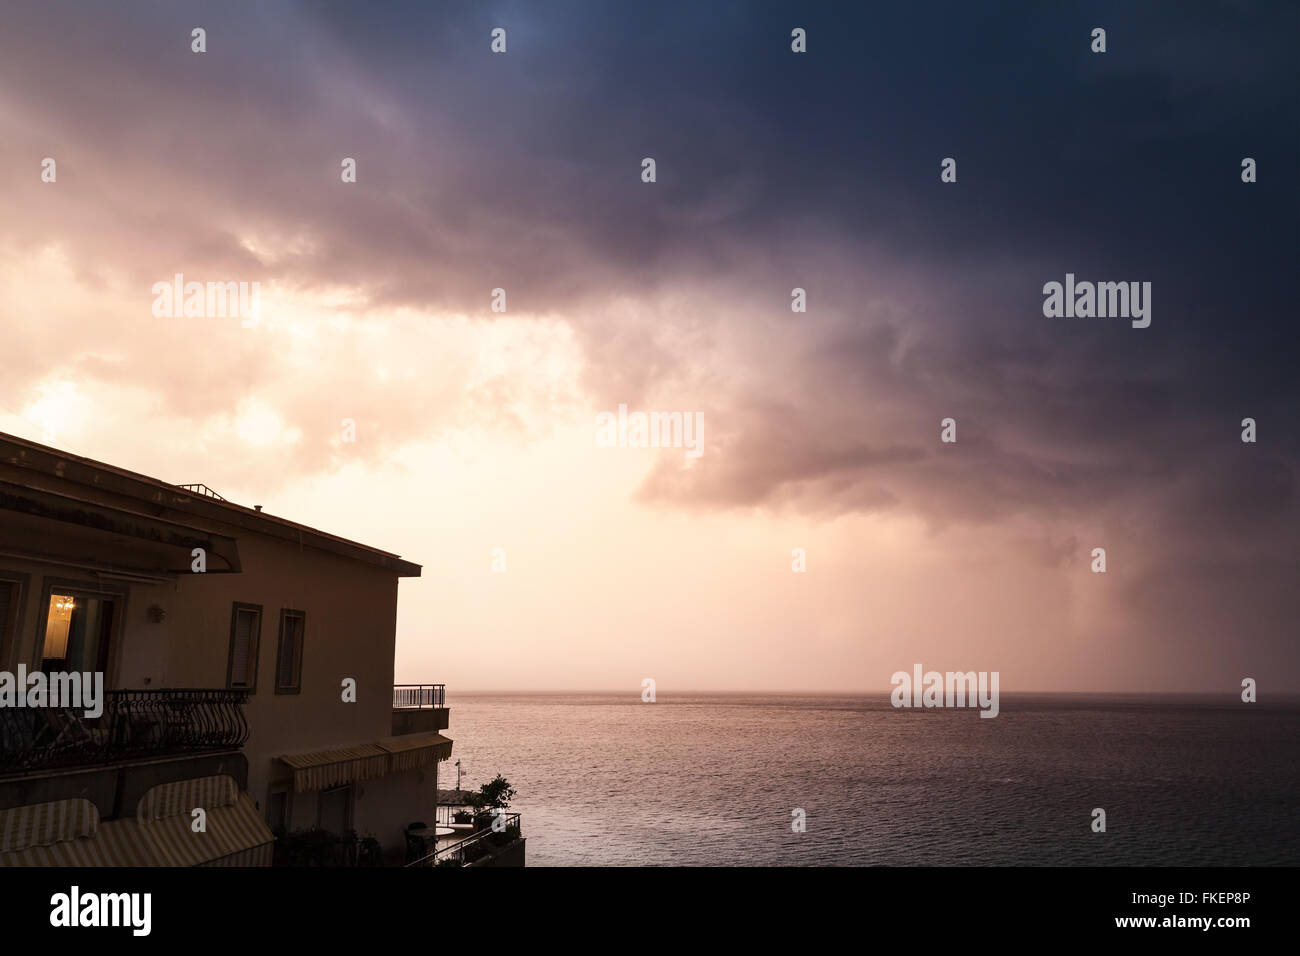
pixel 350 632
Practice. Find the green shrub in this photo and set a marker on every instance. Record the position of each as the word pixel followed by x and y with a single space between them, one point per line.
pixel 496 794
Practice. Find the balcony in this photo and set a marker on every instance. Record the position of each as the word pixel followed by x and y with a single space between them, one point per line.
pixel 420 708
pixel 487 847
pixel 135 724
pixel 142 739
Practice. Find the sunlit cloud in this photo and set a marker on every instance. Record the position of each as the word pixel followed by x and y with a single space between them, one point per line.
pixel 474 428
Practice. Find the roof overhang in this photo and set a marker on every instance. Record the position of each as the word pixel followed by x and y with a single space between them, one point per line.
pixel 45 525
pixel 30 464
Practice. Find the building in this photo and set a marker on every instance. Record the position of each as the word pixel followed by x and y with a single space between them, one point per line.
pixel 233 644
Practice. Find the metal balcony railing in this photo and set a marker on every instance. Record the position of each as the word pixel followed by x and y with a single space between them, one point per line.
pixel 419 696
pixel 134 724
pixel 476 846
pixel 203 490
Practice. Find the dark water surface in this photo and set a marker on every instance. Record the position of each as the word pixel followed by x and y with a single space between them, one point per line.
pixel 712 780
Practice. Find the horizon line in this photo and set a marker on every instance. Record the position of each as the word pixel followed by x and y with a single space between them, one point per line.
pixel 864 693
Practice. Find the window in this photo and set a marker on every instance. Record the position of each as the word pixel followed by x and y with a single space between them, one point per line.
pixel 8 611
pixel 334 811
pixel 288 662
pixel 57 625
pixel 245 633
pixel 278 807
pixel 78 629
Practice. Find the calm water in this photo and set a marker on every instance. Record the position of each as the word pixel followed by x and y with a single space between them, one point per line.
pixel 710 780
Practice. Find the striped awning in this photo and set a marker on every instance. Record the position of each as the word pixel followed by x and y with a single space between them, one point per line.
pixel 412 751
pixel 234 836
pixel 169 799
pixel 44 824
pixel 329 768
pixel 236 831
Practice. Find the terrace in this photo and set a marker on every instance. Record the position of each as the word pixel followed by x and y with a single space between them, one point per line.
pixel 134 725
pixel 488 846
pixel 141 740
pixel 420 708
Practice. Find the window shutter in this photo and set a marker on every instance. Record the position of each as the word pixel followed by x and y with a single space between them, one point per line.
pixel 6 597
pixel 241 658
pixel 289 664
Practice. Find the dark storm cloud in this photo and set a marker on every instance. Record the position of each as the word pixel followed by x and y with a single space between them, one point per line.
pixel 474 165
pixel 774 171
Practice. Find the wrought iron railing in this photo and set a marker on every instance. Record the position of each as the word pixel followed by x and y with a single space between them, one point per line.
pixel 419 696
pixel 203 490
pixel 476 846
pixel 444 814
pixel 134 723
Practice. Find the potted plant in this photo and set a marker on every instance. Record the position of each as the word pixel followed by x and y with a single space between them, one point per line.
pixel 493 796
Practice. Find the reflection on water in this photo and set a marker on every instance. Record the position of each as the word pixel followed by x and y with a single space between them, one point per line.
pixel 609 780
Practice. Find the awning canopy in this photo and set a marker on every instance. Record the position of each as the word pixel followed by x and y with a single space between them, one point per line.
pixel 234 834
pixel 329 768
pixel 169 799
pixel 412 751
pixel 44 824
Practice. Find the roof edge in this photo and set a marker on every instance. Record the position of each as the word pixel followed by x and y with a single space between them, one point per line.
pixel 23 453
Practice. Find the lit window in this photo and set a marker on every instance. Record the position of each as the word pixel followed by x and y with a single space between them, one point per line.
pixel 56 627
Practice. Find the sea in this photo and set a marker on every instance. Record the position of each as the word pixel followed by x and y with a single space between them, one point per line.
pixel 770 780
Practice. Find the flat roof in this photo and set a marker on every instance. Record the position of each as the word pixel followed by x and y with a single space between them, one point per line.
pixel 41 459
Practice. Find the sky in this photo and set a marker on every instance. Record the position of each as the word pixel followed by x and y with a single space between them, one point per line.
pixel 774 170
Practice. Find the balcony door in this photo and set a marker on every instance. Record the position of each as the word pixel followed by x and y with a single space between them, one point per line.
pixel 334 810
pixel 8 615
pixel 79 628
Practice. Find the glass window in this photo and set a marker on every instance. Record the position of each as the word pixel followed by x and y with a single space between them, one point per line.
pixel 8 609
pixel 57 626
pixel 288 665
pixel 245 626
pixel 77 630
